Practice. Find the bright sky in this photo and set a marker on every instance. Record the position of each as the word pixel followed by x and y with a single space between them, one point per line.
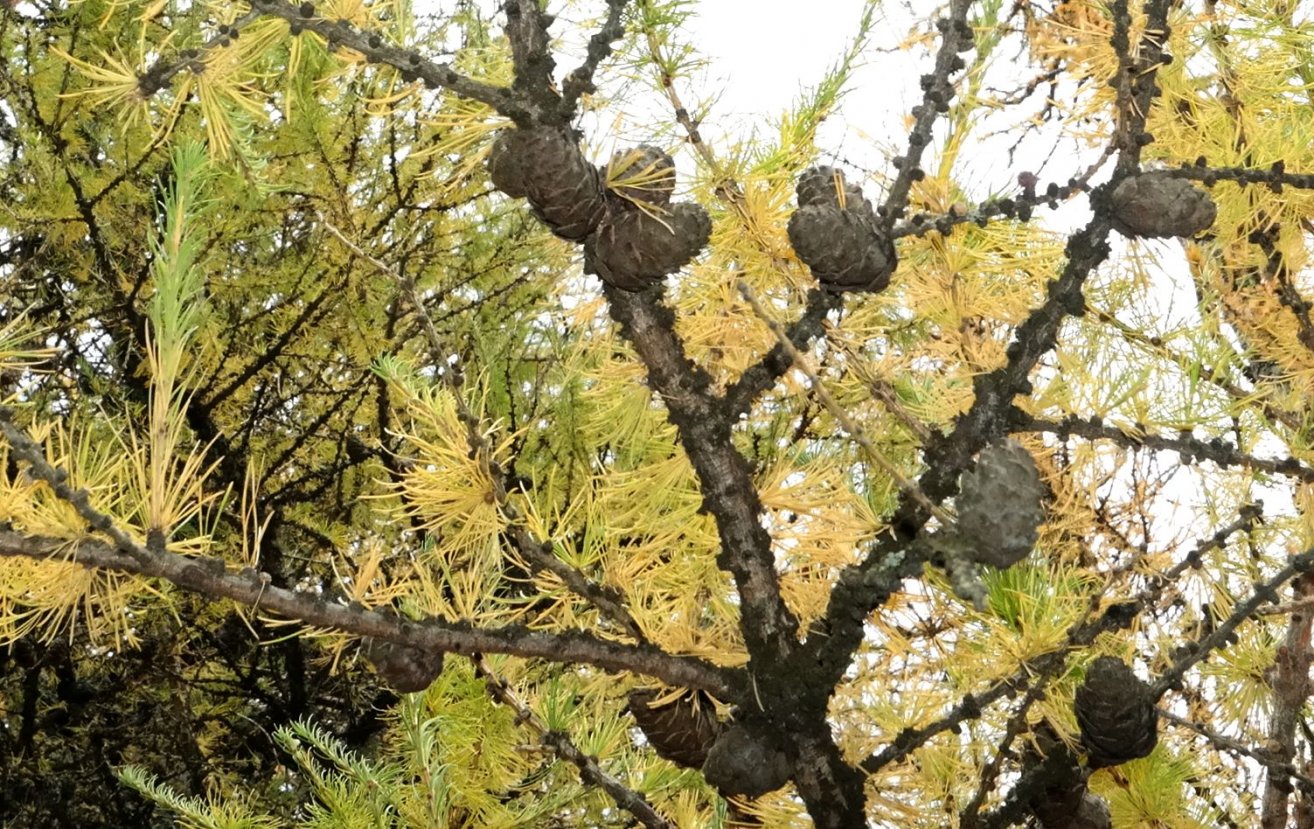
pixel 764 53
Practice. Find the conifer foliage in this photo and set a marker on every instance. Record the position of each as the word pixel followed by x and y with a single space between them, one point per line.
pixel 451 418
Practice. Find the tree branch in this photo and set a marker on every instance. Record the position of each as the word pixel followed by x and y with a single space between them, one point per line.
pixel 531 54
pixel 210 578
pixel 1290 691
pixel 580 80
pixel 770 629
pixel 411 64
pixel 561 745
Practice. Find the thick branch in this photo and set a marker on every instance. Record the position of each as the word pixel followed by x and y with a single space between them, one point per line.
pixel 770 629
pixel 831 788
pixel 410 63
pixel 1290 690
pixel 531 54
pixel 210 578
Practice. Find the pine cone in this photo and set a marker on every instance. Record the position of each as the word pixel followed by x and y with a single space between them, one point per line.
pixel 843 248
pixel 506 167
pixel 633 249
pixel 406 669
pixel 834 232
pixel 682 730
pixel 1116 714
pixel 546 166
pixel 1000 504
pixel 817 187
pixel 1150 205
pixel 645 173
pixel 743 762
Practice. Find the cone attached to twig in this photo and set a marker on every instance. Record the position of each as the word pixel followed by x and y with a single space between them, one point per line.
pixel 1154 205
pixel 744 762
pixel 644 173
pixel 1001 504
pixel 825 186
pixel 834 232
pixel 635 248
pixel 1116 714
pixel 404 668
pixel 547 167
pixel 681 730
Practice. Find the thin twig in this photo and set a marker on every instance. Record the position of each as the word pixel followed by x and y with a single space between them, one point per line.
pixel 884 392
pixel 537 551
pixel 1286 607
pixel 1228 744
pixel 856 432
pixel 210 577
pixel 560 744
pixel 580 79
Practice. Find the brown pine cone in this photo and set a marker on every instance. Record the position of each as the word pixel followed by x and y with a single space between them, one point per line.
pixel 681 730
pixel 744 762
pixel 821 187
pixel 1001 504
pixel 506 160
pixel 546 166
pixel 834 232
pixel 1116 714
pixel 406 669
pixel 633 249
pixel 644 173
pixel 1150 205
pixel 843 248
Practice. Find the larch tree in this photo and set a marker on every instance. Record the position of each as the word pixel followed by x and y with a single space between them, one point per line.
pixel 432 421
